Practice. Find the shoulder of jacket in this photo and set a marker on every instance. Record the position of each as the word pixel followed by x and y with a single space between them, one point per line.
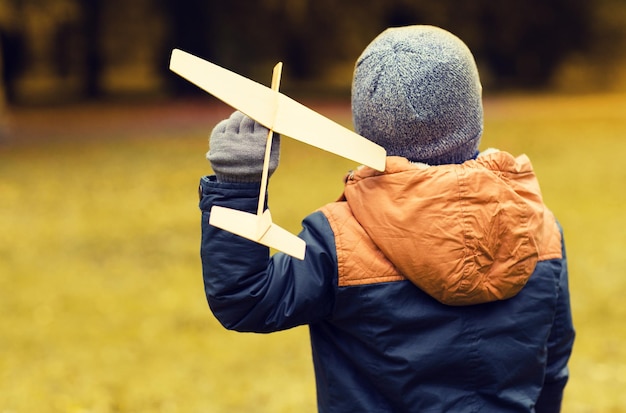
pixel 359 260
pixel 550 246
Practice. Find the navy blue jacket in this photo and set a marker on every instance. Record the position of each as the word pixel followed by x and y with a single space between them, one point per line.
pixel 484 326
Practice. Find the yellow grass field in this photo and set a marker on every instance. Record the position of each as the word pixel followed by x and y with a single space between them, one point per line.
pixel 101 300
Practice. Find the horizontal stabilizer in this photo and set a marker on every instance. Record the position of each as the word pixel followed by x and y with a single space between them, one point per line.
pixel 259 229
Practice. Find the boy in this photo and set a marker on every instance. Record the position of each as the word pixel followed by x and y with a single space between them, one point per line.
pixel 438 285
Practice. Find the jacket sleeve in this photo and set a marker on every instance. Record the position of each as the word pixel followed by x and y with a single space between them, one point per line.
pixel 560 345
pixel 247 290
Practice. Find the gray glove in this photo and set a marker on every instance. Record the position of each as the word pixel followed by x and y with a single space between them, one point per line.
pixel 237 149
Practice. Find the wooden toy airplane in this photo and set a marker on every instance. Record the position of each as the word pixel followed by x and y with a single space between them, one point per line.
pixel 283 115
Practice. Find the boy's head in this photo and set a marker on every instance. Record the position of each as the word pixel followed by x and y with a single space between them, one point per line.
pixel 416 92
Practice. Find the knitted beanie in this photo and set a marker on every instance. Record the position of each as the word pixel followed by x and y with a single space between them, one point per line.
pixel 416 92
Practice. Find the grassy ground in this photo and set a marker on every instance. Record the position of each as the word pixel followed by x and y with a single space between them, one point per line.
pixel 100 286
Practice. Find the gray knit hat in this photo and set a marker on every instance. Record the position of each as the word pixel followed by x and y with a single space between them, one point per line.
pixel 416 92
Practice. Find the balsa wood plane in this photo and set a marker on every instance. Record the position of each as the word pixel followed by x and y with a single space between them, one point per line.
pixel 281 114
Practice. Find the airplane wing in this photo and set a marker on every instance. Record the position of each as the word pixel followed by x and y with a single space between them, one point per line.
pixel 289 118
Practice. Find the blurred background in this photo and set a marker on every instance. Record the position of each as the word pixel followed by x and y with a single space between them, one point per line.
pixel 101 147
pixel 67 50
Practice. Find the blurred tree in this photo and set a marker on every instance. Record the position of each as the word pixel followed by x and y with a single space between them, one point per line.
pixel 524 43
pixel 92 11
pixel 8 23
pixel 6 26
pixel 130 42
pixel 328 34
pixel 607 45
pixel 47 72
pixel 190 29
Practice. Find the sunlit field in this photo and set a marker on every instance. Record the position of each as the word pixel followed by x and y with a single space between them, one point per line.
pixel 101 299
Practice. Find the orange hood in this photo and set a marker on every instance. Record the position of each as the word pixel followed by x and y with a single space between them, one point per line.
pixel 465 234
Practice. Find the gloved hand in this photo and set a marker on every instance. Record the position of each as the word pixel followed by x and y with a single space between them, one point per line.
pixel 237 149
